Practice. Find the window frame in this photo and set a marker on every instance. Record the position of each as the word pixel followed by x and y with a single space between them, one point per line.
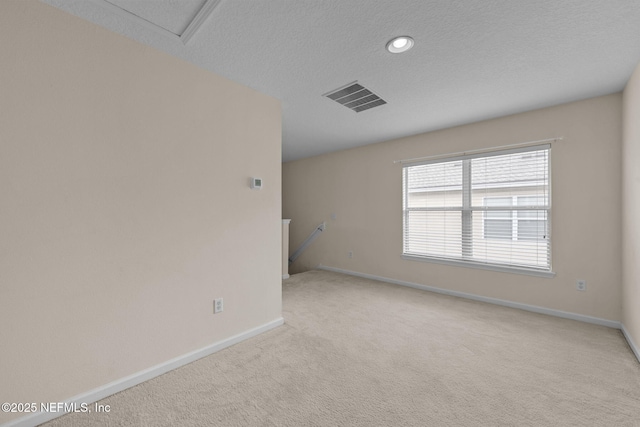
pixel 469 209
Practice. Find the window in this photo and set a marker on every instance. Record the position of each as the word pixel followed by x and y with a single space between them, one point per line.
pixel 517 224
pixel 531 224
pixel 498 224
pixel 488 210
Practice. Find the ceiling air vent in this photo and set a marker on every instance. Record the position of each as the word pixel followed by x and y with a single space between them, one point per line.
pixel 355 97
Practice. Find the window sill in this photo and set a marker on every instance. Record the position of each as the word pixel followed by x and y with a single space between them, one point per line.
pixel 492 267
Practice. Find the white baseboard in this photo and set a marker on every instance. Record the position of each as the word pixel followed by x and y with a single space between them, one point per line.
pixel 634 347
pixel 506 303
pixel 139 377
pixel 285 276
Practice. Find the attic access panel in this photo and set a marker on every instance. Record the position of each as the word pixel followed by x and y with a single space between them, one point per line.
pixel 171 15
pixel 177 19
pixel 355 97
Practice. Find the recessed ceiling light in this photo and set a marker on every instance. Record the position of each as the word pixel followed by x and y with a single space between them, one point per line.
pixel 400 44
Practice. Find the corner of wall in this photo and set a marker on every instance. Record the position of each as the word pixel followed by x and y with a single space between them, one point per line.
pixel 631 211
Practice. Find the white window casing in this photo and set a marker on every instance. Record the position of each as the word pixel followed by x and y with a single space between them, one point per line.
pixel 488 210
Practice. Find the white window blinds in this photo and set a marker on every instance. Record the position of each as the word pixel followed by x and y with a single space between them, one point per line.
pixel 484 209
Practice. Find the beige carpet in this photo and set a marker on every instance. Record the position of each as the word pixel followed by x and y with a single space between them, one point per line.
pixel 356 352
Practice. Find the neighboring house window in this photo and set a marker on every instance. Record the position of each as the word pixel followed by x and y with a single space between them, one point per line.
pixel 498 224
pixel 489 210
pixel 515 224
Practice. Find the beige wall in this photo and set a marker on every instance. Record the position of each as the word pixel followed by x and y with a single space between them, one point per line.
pixel 631 207
pixel 125 206
pixel 362 187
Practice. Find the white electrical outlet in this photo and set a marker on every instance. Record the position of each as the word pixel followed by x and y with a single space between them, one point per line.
pixel 218 305
pixel 581 285
pixel 350 254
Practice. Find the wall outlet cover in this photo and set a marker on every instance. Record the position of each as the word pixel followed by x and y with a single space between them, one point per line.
pixel 218 305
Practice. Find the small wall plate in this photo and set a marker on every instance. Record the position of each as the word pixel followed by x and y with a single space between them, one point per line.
pixel 256 183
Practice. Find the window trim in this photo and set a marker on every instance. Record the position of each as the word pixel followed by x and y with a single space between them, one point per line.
pixel 495 266
pixel 482 266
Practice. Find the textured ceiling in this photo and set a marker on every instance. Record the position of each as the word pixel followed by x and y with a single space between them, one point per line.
pixel 472 59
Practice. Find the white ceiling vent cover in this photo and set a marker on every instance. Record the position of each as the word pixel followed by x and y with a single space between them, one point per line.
pixel 355 97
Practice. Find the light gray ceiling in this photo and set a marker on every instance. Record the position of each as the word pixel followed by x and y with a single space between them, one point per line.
pixel 472 59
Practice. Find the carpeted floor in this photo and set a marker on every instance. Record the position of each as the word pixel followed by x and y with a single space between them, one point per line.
pixel 356 352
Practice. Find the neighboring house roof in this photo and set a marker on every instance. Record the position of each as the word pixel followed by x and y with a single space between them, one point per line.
pixel 510 170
